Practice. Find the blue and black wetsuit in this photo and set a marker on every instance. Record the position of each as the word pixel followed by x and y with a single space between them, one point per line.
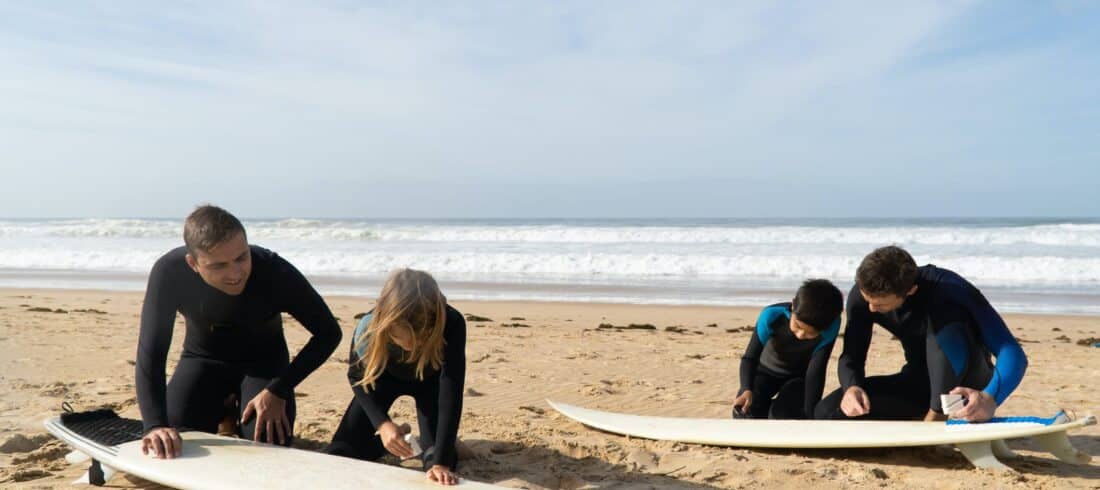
pixel 948 331
pixel 778 364
pixel 234 344
pixel 438 398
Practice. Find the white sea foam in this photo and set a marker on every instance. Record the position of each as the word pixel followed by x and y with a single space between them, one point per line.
pixel 1063 256
pixel 1050 235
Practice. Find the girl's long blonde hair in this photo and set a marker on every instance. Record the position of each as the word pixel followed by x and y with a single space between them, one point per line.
pixel 412 299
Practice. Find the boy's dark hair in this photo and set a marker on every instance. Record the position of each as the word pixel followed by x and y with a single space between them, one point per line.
pixel 207 227
pixel 887 271
pixel 818 303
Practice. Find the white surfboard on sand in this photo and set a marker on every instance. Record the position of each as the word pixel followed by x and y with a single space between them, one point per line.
pixel 982 444
pixel 215 462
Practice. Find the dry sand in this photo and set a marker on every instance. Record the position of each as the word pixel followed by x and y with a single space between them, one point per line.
pixel 82 350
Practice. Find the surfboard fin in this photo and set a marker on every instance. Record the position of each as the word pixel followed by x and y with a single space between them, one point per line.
pixel 1057 443
pixel 76 457
pixel 1001 450
pixel 981 455
pixel 97 475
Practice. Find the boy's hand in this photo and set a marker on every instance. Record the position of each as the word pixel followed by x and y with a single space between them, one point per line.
pixel 743 402
pixel 979 405
pixel 855 402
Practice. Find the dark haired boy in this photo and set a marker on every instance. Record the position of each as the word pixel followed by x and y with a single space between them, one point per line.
pixel 788 353
pixel 948 331
pixel 232 296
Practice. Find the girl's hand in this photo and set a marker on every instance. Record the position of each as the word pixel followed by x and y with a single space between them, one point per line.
pixel 442 475
pixel 393 439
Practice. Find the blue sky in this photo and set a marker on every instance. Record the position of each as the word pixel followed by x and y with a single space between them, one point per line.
pixel 556 109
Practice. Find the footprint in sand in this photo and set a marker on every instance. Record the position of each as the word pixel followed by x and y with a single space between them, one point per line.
pixel 19 443
pixel 57 388
pixel 48 452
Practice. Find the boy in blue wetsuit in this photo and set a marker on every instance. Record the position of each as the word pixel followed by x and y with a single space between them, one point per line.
pixel 788 354
pixel 948 331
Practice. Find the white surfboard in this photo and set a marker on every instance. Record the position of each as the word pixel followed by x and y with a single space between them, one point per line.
pixel 982 444
pixel 214 462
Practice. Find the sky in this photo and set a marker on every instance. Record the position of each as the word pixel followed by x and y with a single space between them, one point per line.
pixel 550 109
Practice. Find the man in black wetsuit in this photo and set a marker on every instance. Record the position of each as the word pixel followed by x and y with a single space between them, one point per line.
pixel 232 296
pixel 948 331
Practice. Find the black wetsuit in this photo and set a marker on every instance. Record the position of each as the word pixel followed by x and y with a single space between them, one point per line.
pixel 438 399
pixel 948 330
pixel 234 344
pixel 777 364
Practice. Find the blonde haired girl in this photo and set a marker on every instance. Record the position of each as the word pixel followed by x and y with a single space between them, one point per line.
pixel 411 343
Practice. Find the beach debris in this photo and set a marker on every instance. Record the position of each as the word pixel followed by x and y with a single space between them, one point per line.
pixel 675 329
pixel 28 475
pixel 1026 341
pixel 1055 329
pixel 520 318
pixel 746 328
pixel 632 326
pixel 712 325
pixel 879 473
pixel 515 325
pixel 1062 338
pixel 90 310
pixel 482 358
pixel 360 315
pixel 532 409
pixel 1089 341
pixel 473 392
pixel 40 309
pixel 475 318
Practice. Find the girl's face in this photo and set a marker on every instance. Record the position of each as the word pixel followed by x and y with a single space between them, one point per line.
pixel 402 336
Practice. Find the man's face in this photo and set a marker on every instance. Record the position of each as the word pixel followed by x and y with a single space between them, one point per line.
pixel 802 330
pixel 225 267
pixel 885 303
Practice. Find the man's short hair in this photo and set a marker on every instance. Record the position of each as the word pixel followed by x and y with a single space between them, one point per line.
pixel 207 227
pixel 887 271
pixel 818 303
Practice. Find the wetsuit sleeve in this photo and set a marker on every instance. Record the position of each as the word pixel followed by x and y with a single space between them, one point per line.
pixel 749 360
pixel 1011 363
pixel 297 297
pixel 365 400
pixel 158 316
pixel 857 339
pixel 452 379
pixel 815 377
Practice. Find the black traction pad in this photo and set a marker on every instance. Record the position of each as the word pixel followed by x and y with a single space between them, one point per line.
pixel 103 426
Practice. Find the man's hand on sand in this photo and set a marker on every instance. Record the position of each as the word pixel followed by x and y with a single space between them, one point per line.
pixel 855 402
pixel 164 442
pixel 271 419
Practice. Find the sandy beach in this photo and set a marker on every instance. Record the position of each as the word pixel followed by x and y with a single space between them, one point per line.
pixel 78 346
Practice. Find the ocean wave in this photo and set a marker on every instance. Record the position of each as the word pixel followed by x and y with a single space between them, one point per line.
pixel 1072 235
pixel 612 267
